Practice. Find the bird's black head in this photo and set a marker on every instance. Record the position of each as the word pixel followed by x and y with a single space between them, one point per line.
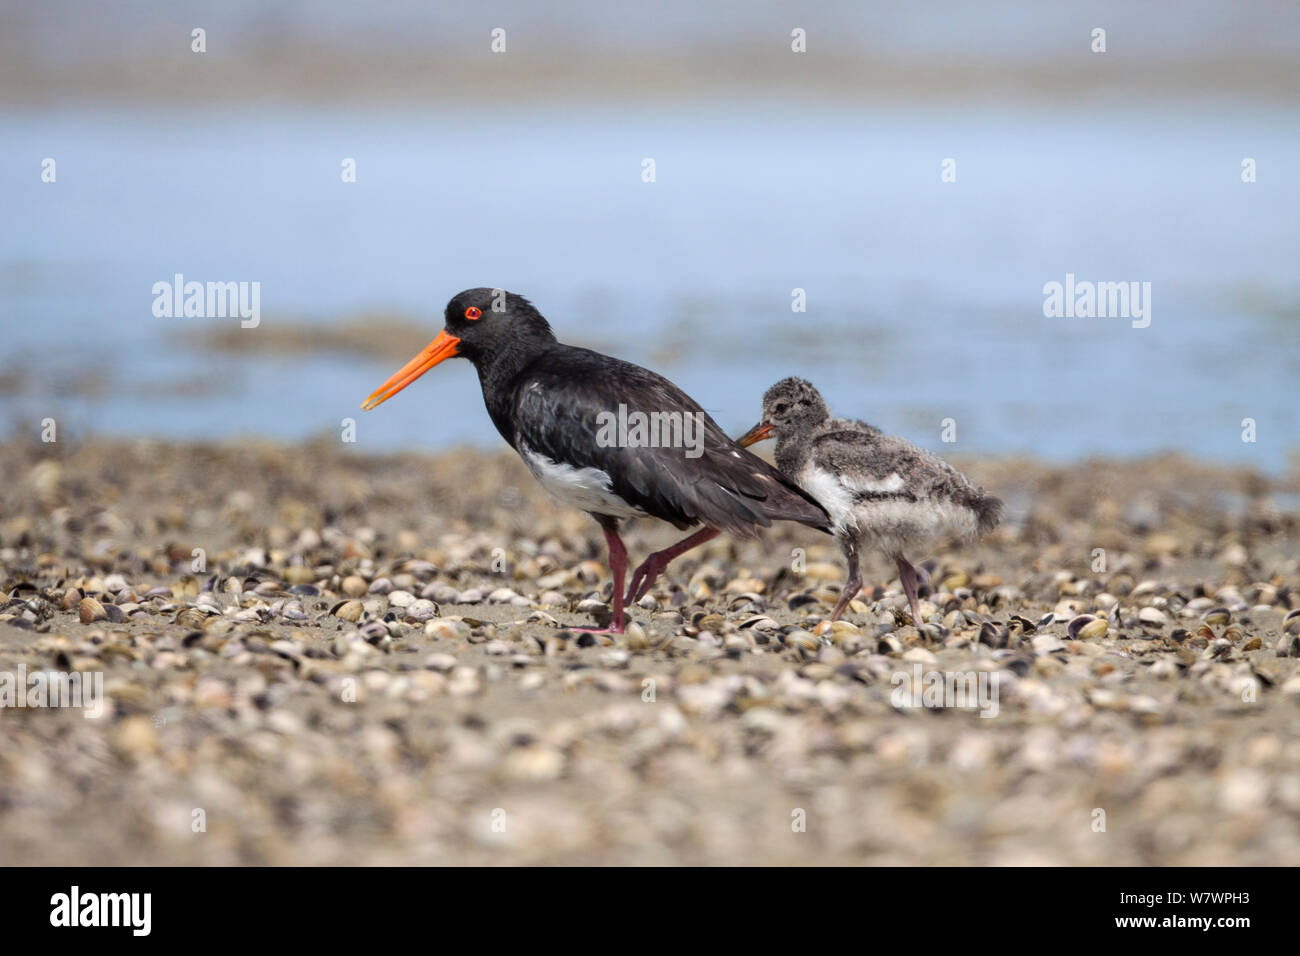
pixel 485 320
pixel 480 324
pixel 790 407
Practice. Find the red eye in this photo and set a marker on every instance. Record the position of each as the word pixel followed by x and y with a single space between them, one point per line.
pixel 473 312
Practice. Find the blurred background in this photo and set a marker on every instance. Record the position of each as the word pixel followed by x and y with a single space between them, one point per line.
pixel 774 171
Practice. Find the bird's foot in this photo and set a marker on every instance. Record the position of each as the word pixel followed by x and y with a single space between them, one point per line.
pixel 644 577
pixel 597 630
pixel 617 625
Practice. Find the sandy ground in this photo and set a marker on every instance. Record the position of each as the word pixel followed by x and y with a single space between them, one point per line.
pixel 370 668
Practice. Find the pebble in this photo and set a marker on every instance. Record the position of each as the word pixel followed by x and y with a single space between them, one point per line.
pixel 443 629
pixel 728 701
pixel 1047 644
pixel 420 610
pixel 1152 617
pixel 442 663
pixel 440 593
pixel 90 610
pixel 349 611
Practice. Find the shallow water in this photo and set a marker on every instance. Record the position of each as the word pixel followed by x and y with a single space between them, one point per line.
pixel 925 299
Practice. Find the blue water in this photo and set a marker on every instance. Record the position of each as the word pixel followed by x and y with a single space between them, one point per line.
pixel 924 298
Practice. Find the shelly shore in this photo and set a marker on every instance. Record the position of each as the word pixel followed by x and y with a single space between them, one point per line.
pixel 343 658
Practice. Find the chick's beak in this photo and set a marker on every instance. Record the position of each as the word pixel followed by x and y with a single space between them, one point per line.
pixel 756 434
pixel 443 347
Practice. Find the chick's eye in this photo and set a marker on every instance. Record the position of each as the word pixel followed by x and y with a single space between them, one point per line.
pixel 781 408
pixel 473 312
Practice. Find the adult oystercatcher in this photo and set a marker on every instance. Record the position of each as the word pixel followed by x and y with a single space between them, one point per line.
pixel 567 411
pixel 881 491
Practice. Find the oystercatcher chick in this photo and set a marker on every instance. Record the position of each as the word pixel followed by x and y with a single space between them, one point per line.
pixel 607 436
pixel 881 491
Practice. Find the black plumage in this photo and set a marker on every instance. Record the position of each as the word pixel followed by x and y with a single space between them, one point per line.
pixel 551 406
pixel 546 399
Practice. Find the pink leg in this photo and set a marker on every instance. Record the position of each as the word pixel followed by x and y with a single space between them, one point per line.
pixel 907 575
pixel 618 567
pixel 851 586
pixel 644 576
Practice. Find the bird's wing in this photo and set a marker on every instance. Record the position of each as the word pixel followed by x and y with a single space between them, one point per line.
pixel 696 474
pixel 874 465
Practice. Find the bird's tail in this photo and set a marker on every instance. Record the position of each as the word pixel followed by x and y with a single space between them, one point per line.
pixel 760 495
pixel 988 511
pixel 792 503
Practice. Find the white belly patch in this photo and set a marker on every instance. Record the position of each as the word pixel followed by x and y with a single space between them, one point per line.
pixel 587 489
pixel 838 501
pixel 893 525
pixel 896 527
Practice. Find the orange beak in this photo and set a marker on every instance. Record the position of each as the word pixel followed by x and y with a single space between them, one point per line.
pixel 756 434
pixel 443 347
